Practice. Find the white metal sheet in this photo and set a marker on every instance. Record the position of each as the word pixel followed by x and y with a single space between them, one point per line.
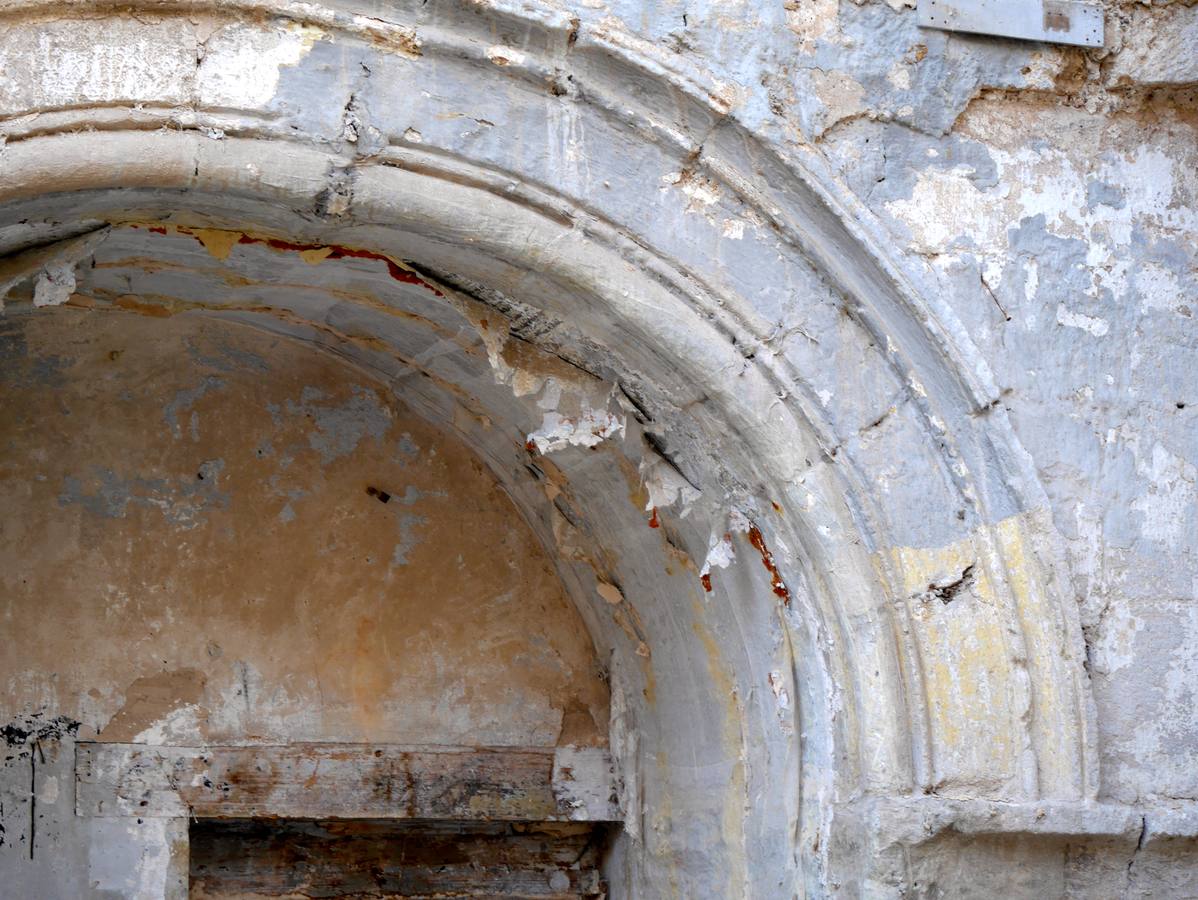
pixel 1053 21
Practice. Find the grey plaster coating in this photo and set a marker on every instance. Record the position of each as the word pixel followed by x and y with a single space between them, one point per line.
pixel 180 503
pixel 185 400
pixel 340 428
pixel 907 315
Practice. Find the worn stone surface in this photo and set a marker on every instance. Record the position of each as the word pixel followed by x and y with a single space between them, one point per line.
pixel 842 369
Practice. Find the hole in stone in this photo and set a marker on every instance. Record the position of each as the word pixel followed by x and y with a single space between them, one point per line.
pixel 387 858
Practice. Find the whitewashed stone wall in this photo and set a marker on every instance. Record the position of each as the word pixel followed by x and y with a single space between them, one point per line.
pixel 907 316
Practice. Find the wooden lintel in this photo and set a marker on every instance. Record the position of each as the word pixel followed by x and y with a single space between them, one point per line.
pixel 346 781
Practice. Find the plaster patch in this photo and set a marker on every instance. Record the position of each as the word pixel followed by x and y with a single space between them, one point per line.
pixel 180 727
pixel 151 701
pixel 48 794
pixel 241 63
pixel 131 858
pixel 408 541
pixel 1107 201
pixel 1168 503
pixel 721 552
pixel 811 20
pixel 842 96
pixel 734 229
pixel 899 76
pixel 588 429
pixel 55 285
pixel 664 485
pixel 1114 648
pixel 185 399
pixel 945 206
pixel 720 555
pixel 1091 324
pixel 1157 287
pixel 341 427
pixel 1031 282
pixel 182 502
pixel 778 687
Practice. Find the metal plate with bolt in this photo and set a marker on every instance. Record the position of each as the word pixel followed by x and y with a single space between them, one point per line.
pixel 1052 21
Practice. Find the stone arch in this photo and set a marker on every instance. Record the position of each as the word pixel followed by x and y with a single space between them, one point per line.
pixel 724 324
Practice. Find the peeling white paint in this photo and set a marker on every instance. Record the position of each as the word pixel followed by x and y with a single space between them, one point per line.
pixel 179 726
pixel 1168 504
pixel 54 286
pixel 665 486
pixel 1091 324
pixel 720 555
pixel 588 429
pixel 242 64
pixel 1158 288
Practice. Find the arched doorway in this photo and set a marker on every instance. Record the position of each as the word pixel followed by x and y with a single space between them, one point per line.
pixel 766 471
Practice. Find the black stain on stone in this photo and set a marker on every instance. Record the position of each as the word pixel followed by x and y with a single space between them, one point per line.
pixel 947 593
pixel 24 733
pixel 381 495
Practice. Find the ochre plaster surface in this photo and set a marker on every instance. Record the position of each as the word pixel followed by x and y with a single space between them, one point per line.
pixel 211 534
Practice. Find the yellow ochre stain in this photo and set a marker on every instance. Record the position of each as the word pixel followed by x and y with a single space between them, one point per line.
pixel 733 818
pixel 217 242
pixel 316 256
pixel 969 655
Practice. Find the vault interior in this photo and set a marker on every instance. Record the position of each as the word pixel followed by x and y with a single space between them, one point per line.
pixel 246 539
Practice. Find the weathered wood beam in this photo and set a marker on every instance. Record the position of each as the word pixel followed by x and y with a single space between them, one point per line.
pixel 346 781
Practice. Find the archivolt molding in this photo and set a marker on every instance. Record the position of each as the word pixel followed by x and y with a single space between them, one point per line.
pixel 789 365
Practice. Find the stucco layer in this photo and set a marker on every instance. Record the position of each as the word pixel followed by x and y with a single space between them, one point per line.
pixel 212 534
pixel 874 469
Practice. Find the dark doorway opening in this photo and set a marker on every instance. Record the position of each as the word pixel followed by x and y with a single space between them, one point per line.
pixel 251 858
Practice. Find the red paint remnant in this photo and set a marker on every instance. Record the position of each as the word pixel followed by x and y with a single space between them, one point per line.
pixel 706 579
pixel 767 560
pixel 336 251
pixel 339 252
pixel 654 522
pixel 530 446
